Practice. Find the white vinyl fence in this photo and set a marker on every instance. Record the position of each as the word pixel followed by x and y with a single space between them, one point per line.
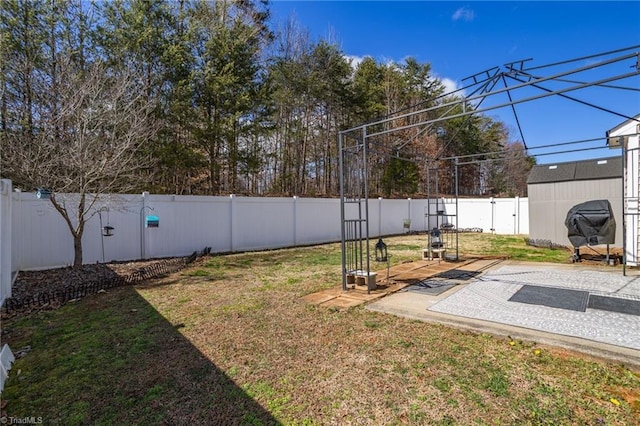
pixel 5 239
pixel 6 356
pixel 34 235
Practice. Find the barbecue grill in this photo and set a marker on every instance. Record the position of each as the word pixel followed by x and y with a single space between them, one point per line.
pixel 590 224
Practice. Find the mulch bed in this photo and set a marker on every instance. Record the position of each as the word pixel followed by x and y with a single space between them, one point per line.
pixel 52 288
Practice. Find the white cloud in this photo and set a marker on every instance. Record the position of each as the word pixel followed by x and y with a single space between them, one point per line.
pixel 464 14
pixel 355 60
pixel 451 86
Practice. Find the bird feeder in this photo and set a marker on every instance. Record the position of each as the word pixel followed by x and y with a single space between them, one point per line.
pixel 152 221
pixel 381 251
pixel 107 231
pixel 43 193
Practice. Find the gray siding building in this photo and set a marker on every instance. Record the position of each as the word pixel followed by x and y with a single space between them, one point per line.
pixel 554 188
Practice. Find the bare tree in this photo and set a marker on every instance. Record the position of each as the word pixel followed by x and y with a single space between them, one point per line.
pixel 90 145
pixel 516 167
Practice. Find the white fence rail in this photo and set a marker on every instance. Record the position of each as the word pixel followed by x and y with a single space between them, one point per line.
pixel 38 237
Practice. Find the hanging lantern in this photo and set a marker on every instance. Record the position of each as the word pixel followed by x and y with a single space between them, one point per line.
pixel 436 239
pixel 381 251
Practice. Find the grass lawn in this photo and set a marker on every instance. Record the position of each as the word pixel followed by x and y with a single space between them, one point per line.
pixel 228 341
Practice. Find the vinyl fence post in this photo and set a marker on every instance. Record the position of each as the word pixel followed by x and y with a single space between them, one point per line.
pixel 516 216
pixel 6 266
pixel 379 217
pixel 409 214
pixel 232 207
pixel 493 211
pixel 143 233
pixel 295 220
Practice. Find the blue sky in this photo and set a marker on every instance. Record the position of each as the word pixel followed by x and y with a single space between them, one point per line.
pixel 460 39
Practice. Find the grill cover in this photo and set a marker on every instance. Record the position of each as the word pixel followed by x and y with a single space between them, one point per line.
pixel 591 223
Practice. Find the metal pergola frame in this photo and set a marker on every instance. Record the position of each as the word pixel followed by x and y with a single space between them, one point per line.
pixel 356 144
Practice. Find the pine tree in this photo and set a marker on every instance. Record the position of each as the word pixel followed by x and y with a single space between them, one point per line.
pixel 228 80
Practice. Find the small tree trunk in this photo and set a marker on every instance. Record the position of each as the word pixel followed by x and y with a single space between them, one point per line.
pixel 76 233
pixel 77 252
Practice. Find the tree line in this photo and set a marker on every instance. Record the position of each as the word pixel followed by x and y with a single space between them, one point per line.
pixel 212 97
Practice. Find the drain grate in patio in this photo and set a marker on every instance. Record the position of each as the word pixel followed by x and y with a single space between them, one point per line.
pixel 575 300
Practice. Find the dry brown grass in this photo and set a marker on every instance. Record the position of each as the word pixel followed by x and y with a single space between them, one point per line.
pixel 243 315
pixel 311 364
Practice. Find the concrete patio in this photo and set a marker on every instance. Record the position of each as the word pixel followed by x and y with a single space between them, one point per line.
pixel 475 295
pixel 482 304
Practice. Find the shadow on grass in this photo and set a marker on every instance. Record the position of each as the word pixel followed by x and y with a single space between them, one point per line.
pixel 113 359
